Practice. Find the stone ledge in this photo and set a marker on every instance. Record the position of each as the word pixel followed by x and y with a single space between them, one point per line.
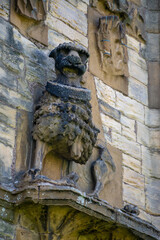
pixel 49 194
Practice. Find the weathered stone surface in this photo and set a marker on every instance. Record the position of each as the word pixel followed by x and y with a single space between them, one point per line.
pixel 154 84
pixel 128 133
pixel 54 39
pixel 152 21
pixel 6 157
pixel 8 115
pixel 155 221
pixel 150 162
pixel 138 73
pixel 132 163
pixel 15 99
pixel 111 123
pixel 106 109
pixel 7 230
pixel 152 117
pixel 4 9
pixel 127 122
pixel 133 178
pixel 105 93
pixel 153 5
pixel 129 107
pixel 134 196
pixel 74 17
pixel 143 134
pixel 7 78
pixel 153 49
pixel 134 57
pixel 126 145
pixel 6 214
pixel 7 135
pixel 152 196
pixel 133 43
pixel 62 28
pixel 155 138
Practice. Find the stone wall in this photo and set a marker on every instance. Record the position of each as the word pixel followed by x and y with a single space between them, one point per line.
pixel 130 127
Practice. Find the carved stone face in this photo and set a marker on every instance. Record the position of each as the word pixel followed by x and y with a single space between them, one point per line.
pixel 70 63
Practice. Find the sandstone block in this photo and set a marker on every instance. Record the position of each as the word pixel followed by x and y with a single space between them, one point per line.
pixel 155 138
pixel 105 93
pixel 154 84
pixel 7 135
pixel 143 134
pixel 106 109
pixel 153 41
pixel 131 162
pixel 152 21
pixel 7 78
pixel 66 12
pixel 133 195
pixel 138 91
pixel 129 133
pixel 137 59
pixel 156 221
pixel 4 9
pixel 153 196
pixel 65 30
pixel 8 115
pixel 138 73
pixel 133 178
pixel 127 122
pixel 150 162
pixel 152 117
pixel 15 99
pixel 55 38
pixel 129 107
pixel 110 123
pixel 133 43
pixel 127 146
pixel 6 214
pixel 82 6
pixel 153 5
pixel 6 157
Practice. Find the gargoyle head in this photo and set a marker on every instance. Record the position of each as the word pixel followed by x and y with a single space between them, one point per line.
pixel 70 63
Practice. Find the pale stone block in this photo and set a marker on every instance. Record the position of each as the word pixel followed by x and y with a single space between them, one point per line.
pixel 107 134
pixel 134 57
pixel 86 1
pixel 150 162
pixel 127 146
pixel 106 109
pixel 152 117
pixel 133 178
pixel 4 9
pixel 69 14
pixel 105 93
pixel 54 39
pixel 8 115
pixel 138 73
pixel 15 99
pixel 156 221
pixel 110 123
pixel 7 135
pixel 132 163
pixel 129 133
pixel 152 195
pixel 133 196
pixel 6 155
pixel 129 107
pixel 65 30
pixel 154 136
pixel 145 216
pixel 143 135
pixel 133 43
pixel 138 91
pixel 127 122
pixel 82 6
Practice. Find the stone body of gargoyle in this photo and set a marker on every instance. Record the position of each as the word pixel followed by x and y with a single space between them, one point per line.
pixel 63 120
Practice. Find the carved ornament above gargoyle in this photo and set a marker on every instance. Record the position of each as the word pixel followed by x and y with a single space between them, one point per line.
pixel 63 117
pixel 34 9
pixel 111 42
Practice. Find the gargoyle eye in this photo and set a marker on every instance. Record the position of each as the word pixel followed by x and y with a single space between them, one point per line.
pixel 65 51
pixel 83 57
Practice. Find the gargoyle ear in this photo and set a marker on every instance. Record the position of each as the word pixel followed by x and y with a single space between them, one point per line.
pixel 53 54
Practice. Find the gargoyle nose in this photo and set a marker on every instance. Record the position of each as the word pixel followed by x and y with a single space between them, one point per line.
pixel 74 57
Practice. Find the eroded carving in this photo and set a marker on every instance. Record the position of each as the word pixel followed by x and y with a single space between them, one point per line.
pixel 102 170
pixel 63 117
pixel 131 209
pixel 34 9
pixel 131 15
pixel 112 46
